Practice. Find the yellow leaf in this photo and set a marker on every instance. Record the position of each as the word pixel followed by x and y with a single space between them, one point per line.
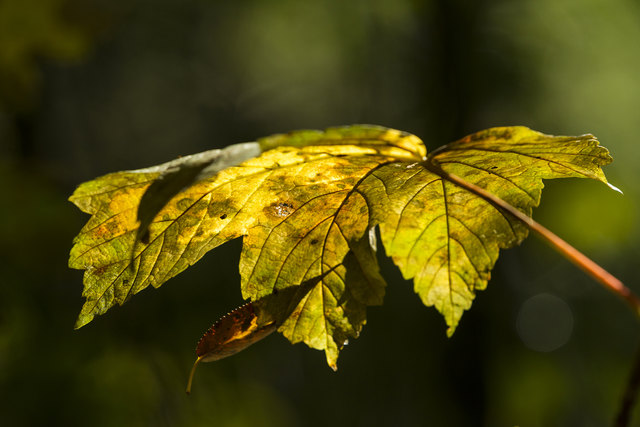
pixel 307 207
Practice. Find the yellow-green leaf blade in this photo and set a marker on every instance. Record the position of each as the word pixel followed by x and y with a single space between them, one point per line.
pixel 318 235
pixel 229 204
pixel 524 157
pixel 446 238
pixel 388 141
pixel 306 207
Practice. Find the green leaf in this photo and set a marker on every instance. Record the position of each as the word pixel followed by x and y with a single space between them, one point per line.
pixel 307 207
pixel 446 238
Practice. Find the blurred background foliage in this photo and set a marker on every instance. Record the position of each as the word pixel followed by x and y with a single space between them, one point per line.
pixel 94 86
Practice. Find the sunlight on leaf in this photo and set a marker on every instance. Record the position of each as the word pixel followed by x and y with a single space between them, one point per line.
pixel 446 238
pixel 306 208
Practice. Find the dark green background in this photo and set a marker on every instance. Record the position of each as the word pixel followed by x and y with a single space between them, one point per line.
pixel 91 87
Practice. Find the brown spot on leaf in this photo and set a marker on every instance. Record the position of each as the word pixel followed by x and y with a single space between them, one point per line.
pixel 279 210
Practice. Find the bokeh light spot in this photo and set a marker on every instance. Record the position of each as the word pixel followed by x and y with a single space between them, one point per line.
pixel 544 323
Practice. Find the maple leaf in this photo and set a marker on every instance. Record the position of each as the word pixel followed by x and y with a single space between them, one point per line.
pixel 306 208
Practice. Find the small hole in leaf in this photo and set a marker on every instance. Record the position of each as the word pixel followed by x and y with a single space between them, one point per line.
pixel 223 216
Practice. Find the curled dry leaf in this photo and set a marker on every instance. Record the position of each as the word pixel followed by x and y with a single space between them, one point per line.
pixel 232 333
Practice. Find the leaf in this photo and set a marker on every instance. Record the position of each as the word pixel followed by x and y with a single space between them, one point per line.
pixel 447 238
pixel 306 209
pixel 179 174
pixel 229 335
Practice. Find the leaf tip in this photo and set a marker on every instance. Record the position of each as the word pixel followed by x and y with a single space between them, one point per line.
pixel 614 188
pixel 331 353
pixel 451 330
pixel 81 321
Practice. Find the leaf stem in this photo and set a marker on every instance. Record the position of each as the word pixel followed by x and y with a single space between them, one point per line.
pixel 623 418
pixel 572 254
pixel 193 371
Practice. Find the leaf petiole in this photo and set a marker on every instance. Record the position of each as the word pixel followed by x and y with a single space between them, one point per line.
pixel 193 371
